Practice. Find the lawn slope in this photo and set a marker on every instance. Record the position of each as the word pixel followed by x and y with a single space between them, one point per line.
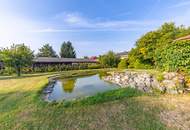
pixel 21 107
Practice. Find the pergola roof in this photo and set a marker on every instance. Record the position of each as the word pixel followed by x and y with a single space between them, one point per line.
pixel 61 60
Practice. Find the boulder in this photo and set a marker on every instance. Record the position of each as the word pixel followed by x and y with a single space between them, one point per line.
pixel 172 83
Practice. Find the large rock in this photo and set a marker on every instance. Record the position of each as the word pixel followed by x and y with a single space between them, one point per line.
pixel 172 83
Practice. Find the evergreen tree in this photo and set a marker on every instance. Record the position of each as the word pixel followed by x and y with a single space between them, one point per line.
pixel 67 50
pixel 46 51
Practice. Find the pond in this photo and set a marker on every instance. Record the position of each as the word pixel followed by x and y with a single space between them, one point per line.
pixel 79 87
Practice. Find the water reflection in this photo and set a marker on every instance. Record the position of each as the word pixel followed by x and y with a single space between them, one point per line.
pixel 68 85
pixel 66 89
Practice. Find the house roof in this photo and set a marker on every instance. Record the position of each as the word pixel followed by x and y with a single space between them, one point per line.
pixel 62 60
pixel 122 53
pixel 183 38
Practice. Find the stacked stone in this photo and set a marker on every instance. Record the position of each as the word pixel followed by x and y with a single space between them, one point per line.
pixel 172 82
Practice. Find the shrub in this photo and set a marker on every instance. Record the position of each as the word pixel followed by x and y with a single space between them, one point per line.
pixel 53 68
pixel 160 77
pixel 8 71
pixel 175 56
pixel 123 64
pixel 157 49
pixel 109 60
pixel 94 66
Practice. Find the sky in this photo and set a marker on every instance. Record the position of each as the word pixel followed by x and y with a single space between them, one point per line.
pixel 93 26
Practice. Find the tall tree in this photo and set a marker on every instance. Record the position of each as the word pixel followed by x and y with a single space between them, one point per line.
pixel 86 57
pixel 67 50
pixel 150 48
pixel 46 51
pixel 17 57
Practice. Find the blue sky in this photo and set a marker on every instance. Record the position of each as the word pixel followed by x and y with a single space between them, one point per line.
pixel 93 26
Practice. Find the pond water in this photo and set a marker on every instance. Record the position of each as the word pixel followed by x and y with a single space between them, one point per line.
pixel 73 88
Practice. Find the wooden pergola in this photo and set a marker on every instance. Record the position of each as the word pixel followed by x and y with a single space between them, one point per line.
pixel 40 61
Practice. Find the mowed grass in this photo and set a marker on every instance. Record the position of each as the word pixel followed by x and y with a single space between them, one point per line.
pixel 22 108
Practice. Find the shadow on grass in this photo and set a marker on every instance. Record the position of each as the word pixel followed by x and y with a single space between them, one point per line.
pixel 124 109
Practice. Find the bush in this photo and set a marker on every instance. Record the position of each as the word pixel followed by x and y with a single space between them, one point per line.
pixel 175 56
pixel 123 64
pixel 8 71
pixel 160 77
pixel 94 66
pixel 158 49
pixel 53 68
pixel 109 60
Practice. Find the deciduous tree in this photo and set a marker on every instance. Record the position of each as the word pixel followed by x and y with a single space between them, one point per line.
pixel 109 60
pixel 17 57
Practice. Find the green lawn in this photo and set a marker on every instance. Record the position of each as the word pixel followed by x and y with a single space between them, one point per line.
pixel 21 107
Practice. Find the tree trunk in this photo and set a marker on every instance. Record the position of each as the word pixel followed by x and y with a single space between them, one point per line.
pixel 18 70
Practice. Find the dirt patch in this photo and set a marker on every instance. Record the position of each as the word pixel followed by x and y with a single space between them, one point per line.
pixel 176 115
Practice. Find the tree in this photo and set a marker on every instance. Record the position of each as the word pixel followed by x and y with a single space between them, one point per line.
pixel 149 47
pixel 67 50
pixel 17 57
pixel 46 51
pixel 109 60
pixel 86 57
pixel 123 64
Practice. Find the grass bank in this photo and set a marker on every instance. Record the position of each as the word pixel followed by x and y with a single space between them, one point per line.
pixel 21 107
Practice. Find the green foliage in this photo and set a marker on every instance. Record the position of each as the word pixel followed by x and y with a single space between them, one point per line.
pixel 67 50
pixel 151 52
pixel 8 70
pixel 94 66
pixel 86 57
pixel 53 68
pixel 174 56
pixel 160 77
pixel 123 64
pixel 109 60
pixel 46 51
pixel 17 57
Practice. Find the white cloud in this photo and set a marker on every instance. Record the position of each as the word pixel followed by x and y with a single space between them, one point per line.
pixel 180 4
pixel 71 19
pixel 73 22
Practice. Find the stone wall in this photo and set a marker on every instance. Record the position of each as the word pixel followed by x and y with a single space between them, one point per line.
pixel 170 82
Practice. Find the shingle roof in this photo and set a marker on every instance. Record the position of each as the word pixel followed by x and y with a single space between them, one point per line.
pixel 122 53
pixel 62 60
pixel 183 38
